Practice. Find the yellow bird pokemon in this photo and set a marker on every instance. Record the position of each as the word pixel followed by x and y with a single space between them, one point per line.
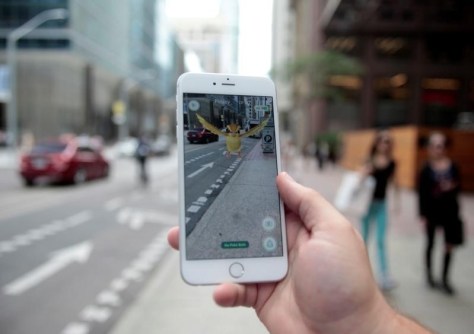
pixel 233 137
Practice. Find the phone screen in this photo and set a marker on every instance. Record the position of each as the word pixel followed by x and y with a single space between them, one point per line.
pixel 232 206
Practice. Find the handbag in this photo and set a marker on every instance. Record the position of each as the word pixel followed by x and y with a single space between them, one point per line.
pixel 354 194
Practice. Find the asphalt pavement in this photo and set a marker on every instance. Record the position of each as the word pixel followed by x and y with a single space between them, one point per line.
pixel 73 258
pixel 167 305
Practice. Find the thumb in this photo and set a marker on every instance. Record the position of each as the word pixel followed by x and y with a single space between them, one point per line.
pixel 232 295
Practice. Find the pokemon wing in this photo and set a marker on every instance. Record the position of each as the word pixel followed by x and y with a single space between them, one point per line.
pixel 256 129
pixel 209 126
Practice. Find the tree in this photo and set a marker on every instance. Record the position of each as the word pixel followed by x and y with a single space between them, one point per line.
pixel 316 69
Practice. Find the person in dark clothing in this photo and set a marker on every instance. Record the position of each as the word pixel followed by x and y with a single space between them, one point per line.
pixel 438 188
pixel 141 154
pixel 381 166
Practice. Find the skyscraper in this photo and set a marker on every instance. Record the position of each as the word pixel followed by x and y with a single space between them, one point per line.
pixel 71 71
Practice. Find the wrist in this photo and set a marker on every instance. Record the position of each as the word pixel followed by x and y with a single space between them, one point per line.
pixel 389 321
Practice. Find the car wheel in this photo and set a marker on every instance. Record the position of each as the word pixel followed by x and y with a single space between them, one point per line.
pixel 29 182
pixel 207 141
pixel 80 176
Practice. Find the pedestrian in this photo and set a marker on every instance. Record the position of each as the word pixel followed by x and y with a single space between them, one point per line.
pixel 322 153
pixel 381 167
pixel 438 189
pixel 329 287
pixel 142 153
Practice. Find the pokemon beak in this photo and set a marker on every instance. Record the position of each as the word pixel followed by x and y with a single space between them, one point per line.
pixel 233 128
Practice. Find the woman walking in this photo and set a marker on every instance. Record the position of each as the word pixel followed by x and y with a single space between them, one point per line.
pixel 381 166
pixel 439 185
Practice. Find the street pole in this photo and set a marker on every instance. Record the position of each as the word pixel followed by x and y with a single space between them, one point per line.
pixel 126 87
pixel 12 39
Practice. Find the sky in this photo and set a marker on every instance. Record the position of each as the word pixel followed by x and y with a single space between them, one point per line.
pixel 255 41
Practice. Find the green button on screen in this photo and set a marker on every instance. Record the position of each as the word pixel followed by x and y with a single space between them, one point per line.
pixel 235 244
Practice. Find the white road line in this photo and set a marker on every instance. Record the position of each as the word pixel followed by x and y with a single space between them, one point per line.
pixel 95 313
pixel 132 275
pixel 194 208
pixel 60 260
pixel 202 199
pixel 76 328
pixel 137 220
pixel 208 192
pixel 110 298
pixel 200 170
pixel 79 218
pixel 113 204
pixel 7 247
pixel 123 215
pixel 21 240
pixel 27 238
pixel 119 284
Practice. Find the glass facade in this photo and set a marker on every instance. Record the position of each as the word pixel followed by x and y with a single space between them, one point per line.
pixel 392 100
pixel 14 13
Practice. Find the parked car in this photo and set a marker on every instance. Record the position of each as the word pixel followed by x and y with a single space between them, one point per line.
pixel 201 135
pixel 63 161
pixel 162 145
pixel 127 147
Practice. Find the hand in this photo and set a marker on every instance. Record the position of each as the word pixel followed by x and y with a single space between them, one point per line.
pixel 329 287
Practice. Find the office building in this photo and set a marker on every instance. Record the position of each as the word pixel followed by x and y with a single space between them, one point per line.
pixel 417 56
pixel 70 72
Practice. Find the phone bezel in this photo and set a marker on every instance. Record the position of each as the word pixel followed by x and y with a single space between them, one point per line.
pixel 213 271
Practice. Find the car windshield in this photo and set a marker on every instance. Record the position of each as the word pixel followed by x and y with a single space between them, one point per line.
pixel 46 148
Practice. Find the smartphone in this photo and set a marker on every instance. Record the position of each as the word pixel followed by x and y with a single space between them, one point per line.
pixel 232 223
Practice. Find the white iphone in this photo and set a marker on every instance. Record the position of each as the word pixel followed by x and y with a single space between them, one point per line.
pixel 232 223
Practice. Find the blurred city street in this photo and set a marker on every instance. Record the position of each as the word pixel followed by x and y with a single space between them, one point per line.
pixel 88 89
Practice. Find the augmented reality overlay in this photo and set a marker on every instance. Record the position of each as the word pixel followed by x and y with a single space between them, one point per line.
pixel 232 206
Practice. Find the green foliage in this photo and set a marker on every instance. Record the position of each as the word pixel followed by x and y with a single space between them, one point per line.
pixel 317 68
pixel 333 139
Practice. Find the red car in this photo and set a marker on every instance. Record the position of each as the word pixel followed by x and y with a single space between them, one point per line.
pixel 59 161
pixel 201 135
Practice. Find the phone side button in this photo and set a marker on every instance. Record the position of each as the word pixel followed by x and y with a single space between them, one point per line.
pixel 236 270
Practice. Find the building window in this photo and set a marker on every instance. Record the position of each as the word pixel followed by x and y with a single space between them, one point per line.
pixel 393 48
pixel 440 98
pixel 344 112
pixel 392 100
pixel 445 49
pixel 348 45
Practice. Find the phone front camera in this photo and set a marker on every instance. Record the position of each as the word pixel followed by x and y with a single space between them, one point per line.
pixel 214 83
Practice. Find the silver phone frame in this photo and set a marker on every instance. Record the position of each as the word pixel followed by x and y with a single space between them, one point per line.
pixel 214 271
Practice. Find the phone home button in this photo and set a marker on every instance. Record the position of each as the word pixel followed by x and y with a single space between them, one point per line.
pixel 236 270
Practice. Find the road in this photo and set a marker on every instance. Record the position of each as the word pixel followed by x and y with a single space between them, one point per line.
pixel 72 258
pixel 207 170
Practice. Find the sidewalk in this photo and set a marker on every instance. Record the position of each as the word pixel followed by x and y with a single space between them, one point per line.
pixel 167 305
pixel 8 158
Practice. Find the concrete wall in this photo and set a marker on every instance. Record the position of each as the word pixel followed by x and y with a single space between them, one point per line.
pixel 59 92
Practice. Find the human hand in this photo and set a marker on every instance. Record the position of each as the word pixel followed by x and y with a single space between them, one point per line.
pixel 329 287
